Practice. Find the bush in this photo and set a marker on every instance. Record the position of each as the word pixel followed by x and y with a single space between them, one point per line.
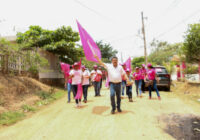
pixel 191 69
pixel 8 118
pixel 44 95
pixel 27 108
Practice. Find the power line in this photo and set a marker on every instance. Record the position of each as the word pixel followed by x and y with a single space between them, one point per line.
pixel 181 22
pixel 92 10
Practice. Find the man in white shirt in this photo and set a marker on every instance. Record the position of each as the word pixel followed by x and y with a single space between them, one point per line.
pixel 85 82
pixel 115 74
pixel 96 79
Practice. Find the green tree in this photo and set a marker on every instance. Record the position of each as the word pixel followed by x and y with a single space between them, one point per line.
pixel 61 42
pixel 191 45
pixel 162 52
pixel 107 51
pixel 137 61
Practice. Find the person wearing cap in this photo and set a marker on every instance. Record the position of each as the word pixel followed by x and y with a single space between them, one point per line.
pixel 85 83
pixel 151 77
pixel 129 85
pixel 143 72
pixel 96 79
pixel 76 75
pixel 138 82
pixel 123 80
pixel 115 74
pixel 68 85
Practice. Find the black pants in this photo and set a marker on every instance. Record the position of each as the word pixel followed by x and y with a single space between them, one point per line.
pixel 129 91
pixel 75 89
pixel 143 85
pixel 85 91
pixel 101 83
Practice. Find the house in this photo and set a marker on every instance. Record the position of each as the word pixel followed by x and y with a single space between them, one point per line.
pixel 50 75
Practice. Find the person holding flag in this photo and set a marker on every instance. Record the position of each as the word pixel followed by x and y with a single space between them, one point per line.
pixel 76 75
pixel 115 74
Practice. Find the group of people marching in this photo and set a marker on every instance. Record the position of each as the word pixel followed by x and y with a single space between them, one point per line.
pixel 81 76
pixel 120 78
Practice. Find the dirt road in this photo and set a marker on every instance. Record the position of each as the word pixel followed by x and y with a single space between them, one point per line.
pixel 141 120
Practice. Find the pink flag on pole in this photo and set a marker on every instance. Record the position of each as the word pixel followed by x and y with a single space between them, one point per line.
pixel 89 46
pixel 65 67
pixel 128 64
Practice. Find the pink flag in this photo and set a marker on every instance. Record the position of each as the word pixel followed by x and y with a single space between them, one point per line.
pixel 65 68
pixel 128 63
pixel 89 46
pixel 79 92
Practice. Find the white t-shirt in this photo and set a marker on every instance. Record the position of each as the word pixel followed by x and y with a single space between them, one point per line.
pixel 115 73
pixel 94 74
pixel 77 76
pixel 86 79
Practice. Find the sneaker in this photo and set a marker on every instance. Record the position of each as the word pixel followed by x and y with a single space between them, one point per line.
pixel 119 110
pixel 130 100
pixel 77 105
pixel 112 111
pixel 159 98
pixel 68 101
pixel 149 98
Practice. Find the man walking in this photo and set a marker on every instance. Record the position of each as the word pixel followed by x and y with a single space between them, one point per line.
pixel 115 74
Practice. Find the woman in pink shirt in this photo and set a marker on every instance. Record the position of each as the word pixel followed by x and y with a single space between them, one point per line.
pixel 85 83
pixel 76 75
pixel 151 75
pixel 138 82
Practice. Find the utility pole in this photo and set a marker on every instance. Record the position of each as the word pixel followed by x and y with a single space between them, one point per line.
pixel 144 38
pixel 122 58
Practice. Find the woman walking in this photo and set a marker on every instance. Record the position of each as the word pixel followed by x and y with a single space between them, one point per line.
pixel 85 83
pixel 76 75
pixel 151 77
pixel 138 82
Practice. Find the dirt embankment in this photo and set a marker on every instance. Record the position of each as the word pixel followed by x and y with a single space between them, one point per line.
pixel 16 91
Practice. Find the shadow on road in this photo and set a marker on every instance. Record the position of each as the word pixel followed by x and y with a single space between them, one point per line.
pixel 99 110
pixel 181 127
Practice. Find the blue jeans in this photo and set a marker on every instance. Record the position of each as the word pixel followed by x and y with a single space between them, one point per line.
pixel 85 91
pixel 123 86
pixel 155 88
pixel 115 89
pixel 138 84
pixel 69 89
pixel 97 88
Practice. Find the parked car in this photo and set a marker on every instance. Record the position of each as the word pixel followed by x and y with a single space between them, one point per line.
pixel 164 77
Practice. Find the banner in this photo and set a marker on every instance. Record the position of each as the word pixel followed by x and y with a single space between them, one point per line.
pixel 89 46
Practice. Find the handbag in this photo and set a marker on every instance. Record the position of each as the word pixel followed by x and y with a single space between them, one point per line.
pixel 148 83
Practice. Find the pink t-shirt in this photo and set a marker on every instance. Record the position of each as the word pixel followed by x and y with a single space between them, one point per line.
pixel 77 76
pixel 151 73
pixel 143 73
pixel 85 78
pixel 70 81
pixel 137 75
